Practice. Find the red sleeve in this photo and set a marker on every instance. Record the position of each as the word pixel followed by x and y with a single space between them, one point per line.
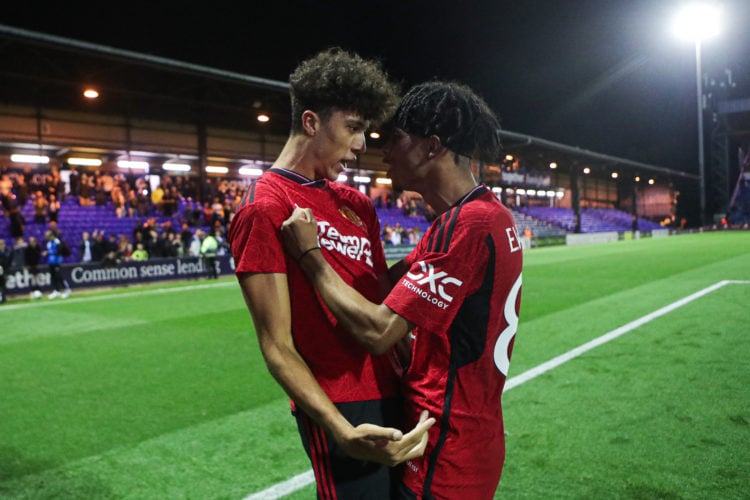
pixel 255 238
pixel 432 291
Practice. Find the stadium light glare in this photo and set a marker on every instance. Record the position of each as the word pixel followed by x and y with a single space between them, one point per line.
pixel 133 165
pixel 698 22
pixel 213 169
pixel 176 167
pixel 84 162
pixel 37 159
pixel 250 171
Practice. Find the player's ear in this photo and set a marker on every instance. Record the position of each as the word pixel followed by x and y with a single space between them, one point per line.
pixel 310 122
pixel 434 146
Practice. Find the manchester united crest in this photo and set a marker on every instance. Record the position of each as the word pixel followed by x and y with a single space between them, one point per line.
pixel 350 214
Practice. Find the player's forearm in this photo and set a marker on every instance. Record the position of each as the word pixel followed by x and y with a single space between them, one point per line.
pixel 293 375
pixel 370 324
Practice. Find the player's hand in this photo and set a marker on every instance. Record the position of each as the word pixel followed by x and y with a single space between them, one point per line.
pixel 388 446
pixel 300 232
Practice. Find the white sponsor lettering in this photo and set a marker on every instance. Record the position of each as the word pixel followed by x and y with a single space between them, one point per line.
pixel 23 279
pixel 354 247
pixel 437 295
pixel 437 280
pixel 514 239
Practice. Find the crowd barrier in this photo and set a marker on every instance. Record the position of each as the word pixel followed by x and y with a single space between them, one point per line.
pixel 91 275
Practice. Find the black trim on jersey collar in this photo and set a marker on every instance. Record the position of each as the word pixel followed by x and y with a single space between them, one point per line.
pixel 298 178
pixel 472 195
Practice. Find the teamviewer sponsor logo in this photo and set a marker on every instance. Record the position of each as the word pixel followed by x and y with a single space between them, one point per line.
pixel 354 247
pixel 437 282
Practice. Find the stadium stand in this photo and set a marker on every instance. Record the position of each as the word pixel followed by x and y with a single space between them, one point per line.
pixel 593 220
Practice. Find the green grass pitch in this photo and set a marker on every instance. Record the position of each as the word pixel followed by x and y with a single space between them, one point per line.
pixel 161 392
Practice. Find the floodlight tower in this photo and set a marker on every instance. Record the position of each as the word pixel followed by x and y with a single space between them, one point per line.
pixel 698 22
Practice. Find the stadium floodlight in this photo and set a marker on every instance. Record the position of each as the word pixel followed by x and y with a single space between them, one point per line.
pixel 22 158
pixel 249 171
pixel 176 167
pixel 84 162
pixel 698 22
pixel 213 169
pixel 133 165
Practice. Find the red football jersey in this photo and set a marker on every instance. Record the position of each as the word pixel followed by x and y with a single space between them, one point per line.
pixel 463 293
pixel 349 237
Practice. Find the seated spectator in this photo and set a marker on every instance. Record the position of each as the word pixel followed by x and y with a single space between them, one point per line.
pixel 217 211
pixel 17 222
pixel 22 191
pixel 118 201
pixel 124 247
pixel 156 197
pixel 169 202
pixel 111 256
pixel 74 181
pixel 85 190
pixel 131 203
pixel 40 205
pixel 53 208
pixel 139 253
pixel 208 214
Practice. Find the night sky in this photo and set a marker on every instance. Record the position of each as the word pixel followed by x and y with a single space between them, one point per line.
pixel 604 75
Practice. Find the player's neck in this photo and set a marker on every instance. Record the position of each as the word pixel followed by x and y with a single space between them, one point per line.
pixel 294 157
pixel 448 186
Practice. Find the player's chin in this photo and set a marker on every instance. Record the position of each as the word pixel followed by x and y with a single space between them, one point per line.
pixel 333 176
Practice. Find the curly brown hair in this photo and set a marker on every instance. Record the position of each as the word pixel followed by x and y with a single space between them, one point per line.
pixel 335 79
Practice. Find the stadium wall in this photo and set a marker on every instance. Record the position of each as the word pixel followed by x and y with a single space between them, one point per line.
pixel 126 273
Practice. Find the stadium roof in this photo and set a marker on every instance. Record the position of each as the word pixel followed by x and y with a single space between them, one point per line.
pixel 47 71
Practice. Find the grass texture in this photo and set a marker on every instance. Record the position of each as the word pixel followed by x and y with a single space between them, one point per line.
pixel 161 392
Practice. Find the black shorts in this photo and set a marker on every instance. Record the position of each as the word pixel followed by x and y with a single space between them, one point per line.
pixel 340 476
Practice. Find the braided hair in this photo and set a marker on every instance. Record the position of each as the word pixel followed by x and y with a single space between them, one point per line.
pixel 452 111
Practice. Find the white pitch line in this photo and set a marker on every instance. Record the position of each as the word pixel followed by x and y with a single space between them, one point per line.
pixel 574 353
pixel 283 489
pixel 44 301
pixel 299 481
